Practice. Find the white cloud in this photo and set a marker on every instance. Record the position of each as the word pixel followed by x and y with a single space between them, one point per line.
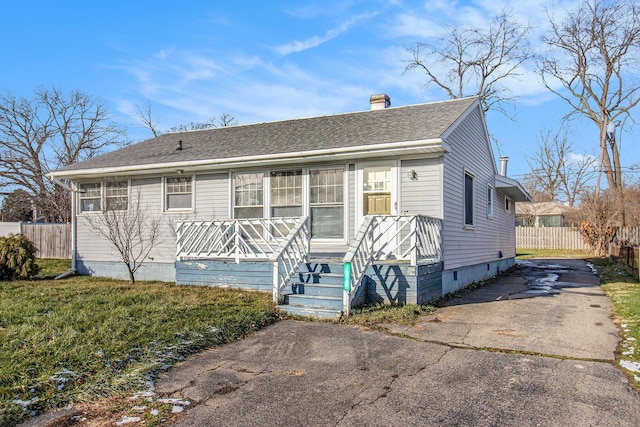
pixel 315 41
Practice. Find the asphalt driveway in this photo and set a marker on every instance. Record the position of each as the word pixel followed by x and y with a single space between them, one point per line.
pixel 533 348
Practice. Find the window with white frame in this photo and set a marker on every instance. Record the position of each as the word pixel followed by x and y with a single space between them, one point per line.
pixel 116 195
pixel 178 193
pixel 507 204
pixel 468 199
pixel 326 203
pixel 90 197
pixel 286 193
pixel 489 201
pixel 249 195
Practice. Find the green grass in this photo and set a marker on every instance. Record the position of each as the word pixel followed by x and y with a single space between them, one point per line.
pixel 623 289
pixel 52 267
pixel 550 253
pixel 79 339
pixel 375 314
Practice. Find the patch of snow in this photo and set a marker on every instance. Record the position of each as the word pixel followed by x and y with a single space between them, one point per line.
pixel 593 268
pixel 128 420
pixel 176 409
pixel 26 403
pixel 630 366
pixel 154 412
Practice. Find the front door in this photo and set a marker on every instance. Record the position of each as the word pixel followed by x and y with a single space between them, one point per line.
pixel 377 185
pixel 376 190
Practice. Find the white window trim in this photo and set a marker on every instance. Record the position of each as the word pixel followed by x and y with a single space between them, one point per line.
pixel 471 226
pixel 103 196
pixel 104 191
pixel 490 201
pixel 508 203
pixel 306 194
pixel 164 194
pixel 80 198
pixel 345 204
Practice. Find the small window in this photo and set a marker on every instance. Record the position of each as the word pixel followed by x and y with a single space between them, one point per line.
pixel 178 193
pixel 507 204
pixel 489 201
pixel 286 193
pixel 249 195
pixel 468 199
pixel 117 196
pixel 90 197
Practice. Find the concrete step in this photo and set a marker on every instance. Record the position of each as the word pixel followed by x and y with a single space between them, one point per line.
pixel 316 289
pixel 311 312
pixel 311 301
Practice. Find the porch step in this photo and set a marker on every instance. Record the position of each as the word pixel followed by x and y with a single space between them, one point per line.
pixel 316 290
pixel 314 301
pixel 311 312
pixel 317 278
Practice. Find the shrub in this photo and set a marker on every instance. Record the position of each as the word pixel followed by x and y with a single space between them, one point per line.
pixel 17 257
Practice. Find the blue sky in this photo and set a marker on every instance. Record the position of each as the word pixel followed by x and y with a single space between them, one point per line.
pixel 263 61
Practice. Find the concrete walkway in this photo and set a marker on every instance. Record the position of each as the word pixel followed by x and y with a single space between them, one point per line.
pixel 532 349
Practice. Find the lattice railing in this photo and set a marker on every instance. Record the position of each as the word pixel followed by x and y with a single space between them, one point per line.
pixel 413 238
pixel 282 241
pixel 237 239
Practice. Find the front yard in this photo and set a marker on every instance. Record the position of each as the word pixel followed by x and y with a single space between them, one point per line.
pixel 82 339
pixel 79 339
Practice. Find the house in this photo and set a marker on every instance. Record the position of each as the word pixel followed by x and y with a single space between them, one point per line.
pixel 542 214
pixel 399 204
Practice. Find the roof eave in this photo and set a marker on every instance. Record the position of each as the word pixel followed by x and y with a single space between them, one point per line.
pixel 431 147
pixel 512 188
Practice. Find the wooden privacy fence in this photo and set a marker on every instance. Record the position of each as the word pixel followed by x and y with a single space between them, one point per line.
pixel 51 240
pixel 567 237
pixel 550 238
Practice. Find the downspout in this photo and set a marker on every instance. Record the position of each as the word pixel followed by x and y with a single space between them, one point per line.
pixel 72 190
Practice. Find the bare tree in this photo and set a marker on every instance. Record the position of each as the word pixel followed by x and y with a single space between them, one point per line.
pixel 145 120
pixel 475 60
pixel 598 215
pixel 143 117
pixel 592 64
pixel 131 230
pixel 44 133
pixel 558 173
pixel 17 206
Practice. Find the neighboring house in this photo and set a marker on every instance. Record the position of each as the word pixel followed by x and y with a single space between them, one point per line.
pixel 397 204
pixel 542 214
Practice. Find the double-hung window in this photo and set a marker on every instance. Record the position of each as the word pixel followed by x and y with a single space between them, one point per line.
pixel 249 195
pixel 91 197
pixel 178 193
pixel 117 195
pixel 468 199
pixel 326 203
pixel 489 201
pixel 286 193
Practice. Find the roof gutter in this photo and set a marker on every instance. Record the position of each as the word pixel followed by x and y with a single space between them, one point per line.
pixel 436 146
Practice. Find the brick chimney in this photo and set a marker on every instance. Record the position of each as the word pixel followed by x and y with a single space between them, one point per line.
pixel 380 101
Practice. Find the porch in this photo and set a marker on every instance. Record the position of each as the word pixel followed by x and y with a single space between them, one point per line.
pixel 392 259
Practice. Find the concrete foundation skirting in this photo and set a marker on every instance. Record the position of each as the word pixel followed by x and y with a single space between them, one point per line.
pixel 459 278
pixel 161 271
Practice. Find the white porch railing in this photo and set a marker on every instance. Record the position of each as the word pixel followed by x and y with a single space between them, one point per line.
pixel 290 255
pixel 283 241
pixel 414 238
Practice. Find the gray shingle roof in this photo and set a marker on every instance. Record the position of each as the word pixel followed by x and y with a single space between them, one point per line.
pixel 400 124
